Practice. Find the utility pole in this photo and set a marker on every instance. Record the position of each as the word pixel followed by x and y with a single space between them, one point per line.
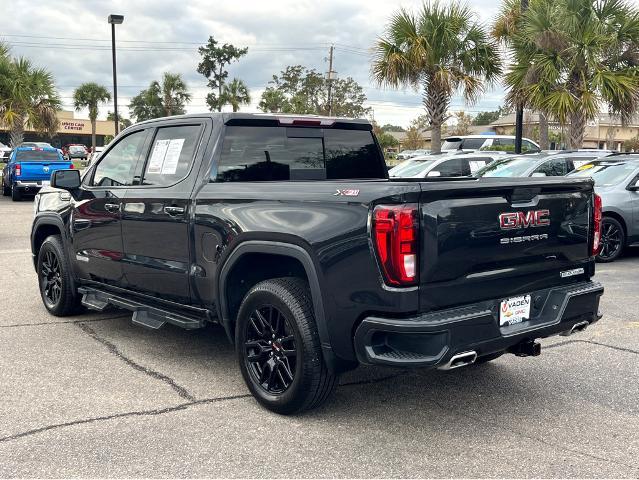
pixel 519 114
pixel 330 81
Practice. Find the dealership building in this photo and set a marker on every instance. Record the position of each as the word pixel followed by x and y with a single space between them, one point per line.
pixel 70 130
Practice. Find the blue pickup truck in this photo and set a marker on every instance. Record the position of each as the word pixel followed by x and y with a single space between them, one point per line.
pixel 29 169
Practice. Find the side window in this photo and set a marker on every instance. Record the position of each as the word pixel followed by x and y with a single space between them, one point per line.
pixel 553 168
pixel 448 168
pixel 504 142
pixel 171 155
pixel 117 166
pixel 527 146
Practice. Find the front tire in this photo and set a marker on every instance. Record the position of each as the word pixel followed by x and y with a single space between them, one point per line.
pixel 6 191
pixel 279 349
pixel 613 240
pixel 57 288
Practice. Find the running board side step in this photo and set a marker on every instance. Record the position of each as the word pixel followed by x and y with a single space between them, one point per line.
pixel 143 314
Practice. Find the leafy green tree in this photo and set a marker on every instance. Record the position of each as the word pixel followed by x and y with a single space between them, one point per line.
pixel 392 128
pixel 213 66
pixel 463 121
pixel 28 97
pixel 90 95
pixel 386 140
pixel 486 118
pixel 124 122
pixel 298 89
pixel 161 99
pixel 235 94
pixel 571 56
pixel 441 50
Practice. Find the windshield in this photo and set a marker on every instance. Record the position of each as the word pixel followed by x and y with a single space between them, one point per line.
pixel 606 174
pixel 37 156
pixel 415 168
pixel 508 167
pixel 401 166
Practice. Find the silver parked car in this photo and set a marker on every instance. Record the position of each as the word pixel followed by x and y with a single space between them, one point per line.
pixel 617 182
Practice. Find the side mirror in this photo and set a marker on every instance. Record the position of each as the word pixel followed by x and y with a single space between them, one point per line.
pixel 633 188
pixel 539 174
pixel 66 179
pixel 434 173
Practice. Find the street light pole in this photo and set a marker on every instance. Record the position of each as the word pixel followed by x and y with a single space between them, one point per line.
pixel 519 114
pixel 115 20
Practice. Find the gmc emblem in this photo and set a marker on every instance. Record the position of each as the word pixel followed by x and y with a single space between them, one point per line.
pixel 534 218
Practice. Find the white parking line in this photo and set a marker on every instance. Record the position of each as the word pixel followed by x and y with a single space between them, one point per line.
pixel 14 251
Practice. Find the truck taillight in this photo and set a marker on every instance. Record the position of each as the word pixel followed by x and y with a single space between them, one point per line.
pixel 71 166
pixel 596 222
pixel 395 231
pixel 18 170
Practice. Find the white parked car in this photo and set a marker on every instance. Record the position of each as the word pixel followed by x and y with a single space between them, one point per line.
pixel 5 151
pixel 487 142
pixel 446 164
pixel 405 154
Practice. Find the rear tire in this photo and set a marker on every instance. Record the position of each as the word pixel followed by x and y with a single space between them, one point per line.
pixel 613 240
pixel 278 347
pixel 57 288
pixel 16 194
pixel 6 191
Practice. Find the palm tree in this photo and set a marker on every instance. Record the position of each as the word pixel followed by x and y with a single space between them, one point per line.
pixel 28 98
pixel 161 99
pixel 574 56
pixel 235 94
pixel 89 95
pixel 175 94
pixel 522 52
pixel 441 50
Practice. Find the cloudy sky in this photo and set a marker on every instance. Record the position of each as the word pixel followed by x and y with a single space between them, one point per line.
pixel 72 39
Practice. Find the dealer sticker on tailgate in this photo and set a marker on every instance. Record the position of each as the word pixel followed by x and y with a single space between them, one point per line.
pixel 514 310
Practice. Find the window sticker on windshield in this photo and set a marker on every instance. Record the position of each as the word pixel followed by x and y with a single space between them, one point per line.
pixel 476 165
pixel 157 157
pixel 585 167
pixel 169 167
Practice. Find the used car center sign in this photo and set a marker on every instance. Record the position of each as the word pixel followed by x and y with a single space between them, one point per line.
pixel 72 125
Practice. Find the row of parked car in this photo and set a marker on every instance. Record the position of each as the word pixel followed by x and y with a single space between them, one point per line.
pixel 616 178
pixel 29 166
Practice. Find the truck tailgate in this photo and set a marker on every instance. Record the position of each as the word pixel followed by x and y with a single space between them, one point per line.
pixel 41 170
pixel 496 238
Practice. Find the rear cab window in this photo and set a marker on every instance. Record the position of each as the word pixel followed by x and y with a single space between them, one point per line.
pixel 38 156
pixel 266 153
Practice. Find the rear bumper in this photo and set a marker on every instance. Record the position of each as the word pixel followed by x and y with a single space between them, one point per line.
pixel 432 339
pixel 29 184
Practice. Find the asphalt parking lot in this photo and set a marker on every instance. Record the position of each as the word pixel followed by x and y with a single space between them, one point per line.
pixel 96 396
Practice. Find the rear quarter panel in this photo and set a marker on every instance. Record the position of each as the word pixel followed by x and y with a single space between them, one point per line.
pixel 332 228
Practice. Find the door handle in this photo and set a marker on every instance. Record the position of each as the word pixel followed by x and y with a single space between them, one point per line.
pixel 174 210
pixel 112 207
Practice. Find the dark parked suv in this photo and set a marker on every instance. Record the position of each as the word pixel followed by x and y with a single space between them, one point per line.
pixel 288 232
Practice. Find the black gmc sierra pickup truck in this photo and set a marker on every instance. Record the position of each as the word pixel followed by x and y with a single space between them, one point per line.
pixel 287 231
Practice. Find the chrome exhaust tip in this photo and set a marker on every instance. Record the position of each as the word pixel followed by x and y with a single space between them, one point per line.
pixel 576 328
pixel 460 360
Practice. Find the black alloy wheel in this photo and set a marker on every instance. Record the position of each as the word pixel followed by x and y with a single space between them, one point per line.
pixel 612 240
pixel 57 287
pixel 270 351
pixel 51 278
pixel 278 347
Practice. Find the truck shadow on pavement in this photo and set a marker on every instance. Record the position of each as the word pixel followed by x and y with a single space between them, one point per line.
pixel 202 364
